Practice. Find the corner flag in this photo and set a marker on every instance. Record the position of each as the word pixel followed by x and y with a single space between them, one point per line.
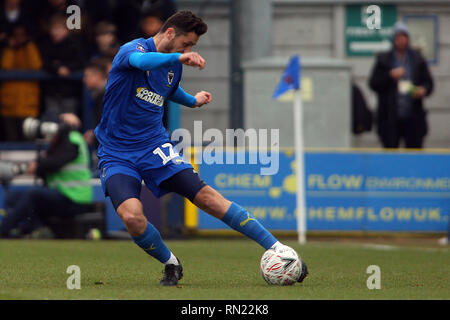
pixel 290 81
pixel 289 90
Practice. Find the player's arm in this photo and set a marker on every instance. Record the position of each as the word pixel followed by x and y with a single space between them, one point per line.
pixel 182 97
pixel 154 60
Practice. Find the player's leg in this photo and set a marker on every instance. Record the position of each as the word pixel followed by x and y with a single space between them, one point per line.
pixel 238 218
pixel 188 184
pixel 235 216
pixel 144 234
pixel 124 191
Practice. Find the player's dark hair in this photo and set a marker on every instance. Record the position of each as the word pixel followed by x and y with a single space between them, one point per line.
pixel 184 22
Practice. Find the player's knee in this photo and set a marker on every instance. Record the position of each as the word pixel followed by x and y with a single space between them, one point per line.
pixel 133 217
pixel 135 223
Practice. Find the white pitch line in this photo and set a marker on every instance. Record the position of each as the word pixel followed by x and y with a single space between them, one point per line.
pixel 384 247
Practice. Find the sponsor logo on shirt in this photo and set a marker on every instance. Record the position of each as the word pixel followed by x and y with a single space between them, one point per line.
pixel 150 97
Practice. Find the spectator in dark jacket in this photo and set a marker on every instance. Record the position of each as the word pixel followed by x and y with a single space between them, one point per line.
pixel 95 78
pixel 62 56
pixel 401 79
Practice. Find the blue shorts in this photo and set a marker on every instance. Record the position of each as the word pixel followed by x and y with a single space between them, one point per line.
pixel 151 165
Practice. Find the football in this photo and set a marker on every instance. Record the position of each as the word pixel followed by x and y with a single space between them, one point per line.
pixel 281 266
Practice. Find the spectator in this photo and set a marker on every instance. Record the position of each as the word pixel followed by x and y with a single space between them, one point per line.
pixel 165 8
pixel 97 10
pixel 19 99
pixel 65 169
pixel 125 18
pixel 155 14
pixel 54 7
pixel 93 12
pixel 106 41
pixel 151 23
pixel 401 79
pixel 12 12
pixel 95 78
pixel 50 9
pixel 62 56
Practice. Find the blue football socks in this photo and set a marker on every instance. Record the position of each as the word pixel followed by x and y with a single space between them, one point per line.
pixel 153 244
pixel 242 221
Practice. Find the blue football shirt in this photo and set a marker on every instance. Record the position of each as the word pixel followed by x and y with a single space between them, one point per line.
pixel 133 104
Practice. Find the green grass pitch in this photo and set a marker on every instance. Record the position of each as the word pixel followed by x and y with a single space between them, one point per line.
pixel 217 270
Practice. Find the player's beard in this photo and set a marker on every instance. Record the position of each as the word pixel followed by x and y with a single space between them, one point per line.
pixel 170 48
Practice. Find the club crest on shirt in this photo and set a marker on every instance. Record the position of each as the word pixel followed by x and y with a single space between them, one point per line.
pixel 170 77
pixel 140 48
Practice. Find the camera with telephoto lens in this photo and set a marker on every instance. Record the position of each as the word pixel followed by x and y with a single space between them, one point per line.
pixel 9 170
pixel 36 129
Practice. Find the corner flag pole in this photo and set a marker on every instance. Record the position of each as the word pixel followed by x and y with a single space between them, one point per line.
pixel 300 171
pixel 289 90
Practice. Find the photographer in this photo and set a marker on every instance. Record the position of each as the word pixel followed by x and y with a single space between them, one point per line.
pixel 67 192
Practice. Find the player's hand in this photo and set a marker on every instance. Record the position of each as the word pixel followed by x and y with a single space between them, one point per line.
pixel 203 98
pixel 193 59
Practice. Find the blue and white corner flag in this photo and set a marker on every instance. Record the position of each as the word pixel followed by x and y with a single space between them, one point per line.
pixel 290 81
pixel 289 90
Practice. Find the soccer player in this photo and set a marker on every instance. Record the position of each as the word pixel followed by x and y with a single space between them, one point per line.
pixel 134 145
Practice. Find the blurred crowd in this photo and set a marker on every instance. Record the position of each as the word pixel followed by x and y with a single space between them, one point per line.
pixel 34 37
